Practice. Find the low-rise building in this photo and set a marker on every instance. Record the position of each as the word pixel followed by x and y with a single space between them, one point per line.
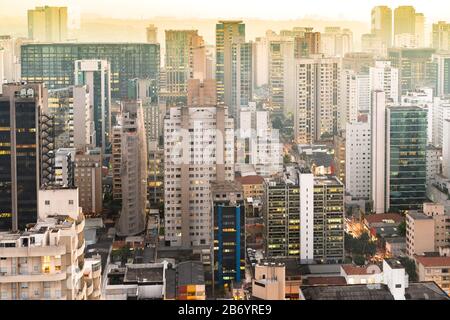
pixel 269 282
pixel 434 268
pixel 427 231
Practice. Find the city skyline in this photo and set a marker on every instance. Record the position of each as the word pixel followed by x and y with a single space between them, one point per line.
pixel 251 9
pixel 220 154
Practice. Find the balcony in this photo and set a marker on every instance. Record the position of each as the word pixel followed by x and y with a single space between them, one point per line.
pixel 81 248
pixel 32 251
pixel 80 226
pixel 40 277
pixel 89 287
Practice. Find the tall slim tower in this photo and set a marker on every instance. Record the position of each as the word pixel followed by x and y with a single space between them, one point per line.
pixel 227 34
pixel 404 20
pixel 48 24
pixel 96 75
pixel 20 111
pixel 130 164
pixel 317 98
pixel 406 146
pixel 378 132
pixel 152 34
pixel 382 24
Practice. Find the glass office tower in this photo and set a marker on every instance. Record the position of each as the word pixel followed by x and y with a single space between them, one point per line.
pixel 406 158
pixel 54 64
pixel 20 111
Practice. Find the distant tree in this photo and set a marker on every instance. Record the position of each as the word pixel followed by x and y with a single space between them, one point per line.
pixel 402 229
pixel 410 268
pixel 359 260
pixel 277 123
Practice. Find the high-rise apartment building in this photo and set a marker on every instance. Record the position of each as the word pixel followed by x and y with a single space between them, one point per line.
pixel 261 61
pixel 441 112
pixel 441 63
pixel 384 77
pixel 382 24
pixel 441 36
pixel 289 215
pixel 336 42
pixel 228 259
pixel 307 43
pixel 21 107
pixel 71 108
pixel 198 149
pixel 415 66
pixel 88 180
pixel 358 160
pixel 185 59
pixel 317 98
pixel 64 167
pixel 10 58
pixel 349 103
pixel 373 44
pixel 359 62
pixel 47 24
pixel 127 61
pixel 96 75
pixel 258 144
pixel 227 32
pixel 130 168
pixel 328 219
pixel 446 148
pixel 282 74
pixel 304 217
pixel 406 144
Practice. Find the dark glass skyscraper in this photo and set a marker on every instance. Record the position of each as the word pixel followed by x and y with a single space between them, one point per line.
pixel 229 234
pixel 54 64
pixel 20 111
pixel 406 158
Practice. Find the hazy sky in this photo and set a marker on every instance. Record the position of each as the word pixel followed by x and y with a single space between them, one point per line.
pixel 266 9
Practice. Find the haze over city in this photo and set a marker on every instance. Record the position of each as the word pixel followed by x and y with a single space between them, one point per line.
pixel 224 150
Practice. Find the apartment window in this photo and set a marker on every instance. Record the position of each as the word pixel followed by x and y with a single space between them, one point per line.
pixel 70 202
pixel 47 202
pixel 4 295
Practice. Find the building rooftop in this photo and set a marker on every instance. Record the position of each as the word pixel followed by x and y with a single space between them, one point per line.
pixel 347 292
pixel 415 291
pixel 251 180
pixel 226 186
pixel 416 215
pixel 355 270
pixel 394 263
pixel 436 261
pixel 425 291
pixel 315 281
pixel 384 218
pixel 144 273
pixel 327 180
pixel 190 273
pixel 395 240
